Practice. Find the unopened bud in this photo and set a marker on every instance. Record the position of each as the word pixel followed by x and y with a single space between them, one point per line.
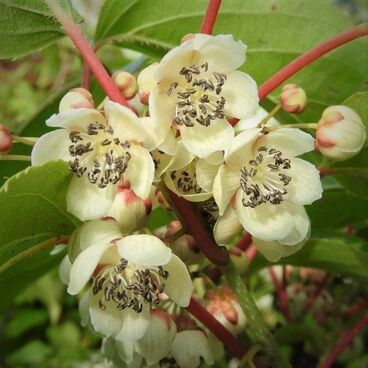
pixel 293 98
pixel 126 83
pixel 187 37
pixel 129 210
pixel 6 141
pixel 340 133
pixel 187 250
pixel 76 98
pixel 224 306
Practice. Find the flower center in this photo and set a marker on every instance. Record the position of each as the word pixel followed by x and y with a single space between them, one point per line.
pixel 264 179
pixel 130 286
pixel 99 155
pixel 185 180
pixel 198 98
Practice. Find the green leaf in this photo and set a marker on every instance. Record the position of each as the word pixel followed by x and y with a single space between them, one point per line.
pixel 27 25
pixel 32 210
pixel 339 254
pixel 275 32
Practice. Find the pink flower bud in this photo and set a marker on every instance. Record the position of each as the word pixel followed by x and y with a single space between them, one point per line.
pixel 6 141
pixel 293 98
pixel 126 83
pixel 340 133
pixel 76 98
pixel 224 306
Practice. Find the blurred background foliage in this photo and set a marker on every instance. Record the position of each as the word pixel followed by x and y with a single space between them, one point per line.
pixel 42 327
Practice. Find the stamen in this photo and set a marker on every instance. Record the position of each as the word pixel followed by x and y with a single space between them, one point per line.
pixel 99 155
pixel 269 187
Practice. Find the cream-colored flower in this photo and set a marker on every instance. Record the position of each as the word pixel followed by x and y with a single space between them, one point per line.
pixel 150 349
pixel 196 86
pixel 189 346
pixel 102 149
pixel 268 185
pixel 129 275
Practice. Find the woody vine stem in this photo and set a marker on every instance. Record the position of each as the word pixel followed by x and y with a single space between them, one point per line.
pixel 256 327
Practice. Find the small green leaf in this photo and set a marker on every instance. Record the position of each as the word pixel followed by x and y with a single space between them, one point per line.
pixel 339 254
pixel 32 210
pixel 27 26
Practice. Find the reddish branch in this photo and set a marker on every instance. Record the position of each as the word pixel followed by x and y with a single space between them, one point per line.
pixel 227 338
pixel 345 340
pixel 312 55
pixel 192 222
pixel 86 51
pixel 86 73
pixel 210 16
pixel 317 293
pixel 282 295
pixel 251 252
pixel 244 242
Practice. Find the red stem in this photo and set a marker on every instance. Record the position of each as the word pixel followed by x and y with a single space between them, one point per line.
pixel 86 51
pixel 355 309
pixel 210 16
pixel 244 242
pixel 192 222
pixel 251 252
pixel 317 293
pixel 86 73
pixel 282 295
pixel 345 340
pixel 307 58
pixel 226 337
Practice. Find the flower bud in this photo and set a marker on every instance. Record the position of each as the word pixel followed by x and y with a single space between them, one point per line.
pixel 340 133
pixel 76 98
pixel 293 98
pixel 6 141
pixel 224 306
pixel 126 83
pixel 129 210
pixel 187 37
pixel 187 250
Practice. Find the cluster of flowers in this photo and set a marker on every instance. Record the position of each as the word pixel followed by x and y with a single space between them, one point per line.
pixel 242 177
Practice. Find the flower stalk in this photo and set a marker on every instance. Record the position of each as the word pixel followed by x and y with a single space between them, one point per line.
pixel 86 51
pixel 304 60
pixel 15 158
pixel 226 337
pixel 296 126
pixel 31 251
pixel 257 329
pixel 29 141
pixel 210 16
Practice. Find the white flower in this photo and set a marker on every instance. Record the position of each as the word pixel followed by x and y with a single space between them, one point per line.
pixel 129 275
pixel 151 348
pixel 189 347
pixel 197 87
pixel 101 150
pixel 268 185
pixel 341 133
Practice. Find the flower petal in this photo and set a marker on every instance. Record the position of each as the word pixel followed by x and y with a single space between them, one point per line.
pixel 134 325
pixel 205 174
pixel 156 342
pixel 140 171
pixel 144 250
pixel 84 266
pixel 291 142
pixel 242 148
pixel 83 308
pixel 227 226
pixel 189 347
pixel 179 285
pixel 305 186
pixel 241 94
pixel 64 270
pixel 181 158
pixel 222 52
pixel 202 141
pixel 87 201
pixel 225 185
pixel 146 79
pixel 51 146
pixel 76 119
pixel 254 120
pixel 107 321
pixel 266 221
pixel 126 125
